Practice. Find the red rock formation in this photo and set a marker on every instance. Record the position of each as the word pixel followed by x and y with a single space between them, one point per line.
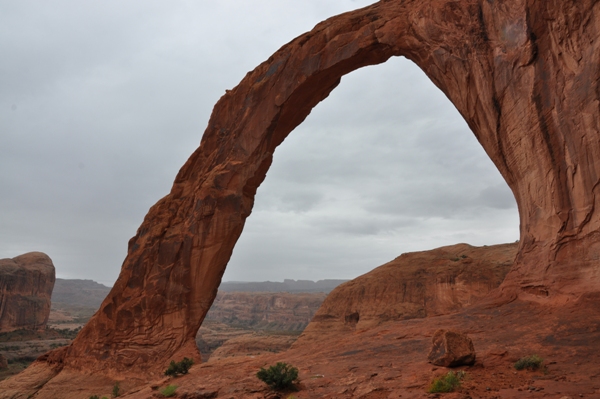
pixel 451 349
pixel 522 73
pixel 414 285
pixel 253 344
pixel 271 311
pixel 26 284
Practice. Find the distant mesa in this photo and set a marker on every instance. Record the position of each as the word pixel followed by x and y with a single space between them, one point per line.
pixel 26 284
pixel 84 293
pixel 264 310
pixel 287 285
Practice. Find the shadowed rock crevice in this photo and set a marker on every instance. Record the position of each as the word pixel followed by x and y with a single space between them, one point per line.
pixel 524 76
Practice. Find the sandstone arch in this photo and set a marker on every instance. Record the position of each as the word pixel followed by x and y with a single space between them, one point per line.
pixel 524 74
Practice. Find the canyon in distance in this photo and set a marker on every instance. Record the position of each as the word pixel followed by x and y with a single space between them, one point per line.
pixel 524 75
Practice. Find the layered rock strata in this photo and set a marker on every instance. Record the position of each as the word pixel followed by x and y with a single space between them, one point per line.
pixel 524 74
pixel 253 345
pixel 265 311
pixel 26 284
pixel 412 286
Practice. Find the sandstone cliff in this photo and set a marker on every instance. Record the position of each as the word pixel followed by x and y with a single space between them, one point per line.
pixel 253 345
pixel 251 322
pixel 414 285
pixel 26 284
pixel 288 285
pixel 265 311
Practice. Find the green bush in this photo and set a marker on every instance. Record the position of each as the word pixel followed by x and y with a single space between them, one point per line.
pixel 532 362
pixel 116 390
pixel 279 377
pixel 446 383
pixel 168 391
pixel 181 367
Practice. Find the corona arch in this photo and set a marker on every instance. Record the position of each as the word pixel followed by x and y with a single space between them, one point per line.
pixel 524 76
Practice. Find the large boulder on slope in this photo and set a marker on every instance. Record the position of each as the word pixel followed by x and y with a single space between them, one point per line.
pixel 451 349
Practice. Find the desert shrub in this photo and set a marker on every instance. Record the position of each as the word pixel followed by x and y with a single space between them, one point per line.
pixel 532 362
pixel 116 390
pixel 181 367
pixel 279 377
pixel 446 383
pixel 94 397
pixel 168 391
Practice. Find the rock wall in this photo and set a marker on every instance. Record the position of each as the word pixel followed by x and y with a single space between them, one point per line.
pixel 287 285
pixel 414 285
pixel 265 311
pixel 524 74
pixel 26 284
pixel 253 345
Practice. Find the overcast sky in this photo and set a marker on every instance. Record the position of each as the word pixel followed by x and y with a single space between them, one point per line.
pixel 101 103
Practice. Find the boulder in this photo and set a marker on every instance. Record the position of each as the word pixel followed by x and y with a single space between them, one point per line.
pixel 26 284
pixel 451 349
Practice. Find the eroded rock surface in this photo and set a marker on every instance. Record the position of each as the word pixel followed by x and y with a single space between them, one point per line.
pixel 253 345
pixel 414 285
pixel 235 314
pixel 524 74
pixel 265 311
pixel 451 349
pixel 26 284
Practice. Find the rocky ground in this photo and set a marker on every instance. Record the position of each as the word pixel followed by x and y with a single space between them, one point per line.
pixel 21 347
pixel 217 340
pixel 370 340
pixel 390 361
pixel 256 323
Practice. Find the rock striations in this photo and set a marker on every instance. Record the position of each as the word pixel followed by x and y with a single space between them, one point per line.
pixel 270 311
pixel 524 74
pixel 26 284
pixel 414 285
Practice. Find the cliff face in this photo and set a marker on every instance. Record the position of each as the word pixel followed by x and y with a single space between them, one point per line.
pixel 287 285
pixel 414 285
pixel 522 73
pixel 265 311
pixel 252 345
pixel 26 284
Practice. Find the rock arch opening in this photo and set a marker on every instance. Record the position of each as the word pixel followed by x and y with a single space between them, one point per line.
pixel 384 165
pixel 523 75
